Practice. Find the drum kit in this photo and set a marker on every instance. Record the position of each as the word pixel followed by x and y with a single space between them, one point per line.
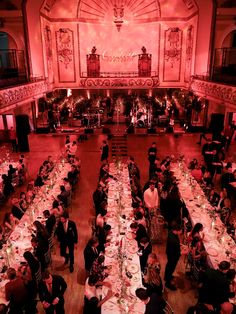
pixel 140 119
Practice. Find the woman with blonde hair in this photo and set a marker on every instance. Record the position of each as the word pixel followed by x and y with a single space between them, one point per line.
pixel 153 262
pixel 152 281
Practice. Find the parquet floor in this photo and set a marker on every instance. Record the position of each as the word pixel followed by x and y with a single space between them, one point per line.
pixel 82 208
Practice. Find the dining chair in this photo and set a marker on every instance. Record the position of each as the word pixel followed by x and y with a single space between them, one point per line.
pixel 168 309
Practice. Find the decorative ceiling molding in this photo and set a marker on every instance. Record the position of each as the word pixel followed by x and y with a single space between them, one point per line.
pixel 215 91
pixel 129 10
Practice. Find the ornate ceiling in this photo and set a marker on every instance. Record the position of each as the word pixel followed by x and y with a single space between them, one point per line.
pixel 137 11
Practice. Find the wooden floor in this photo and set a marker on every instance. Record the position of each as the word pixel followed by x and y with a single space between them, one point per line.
pixel 82 207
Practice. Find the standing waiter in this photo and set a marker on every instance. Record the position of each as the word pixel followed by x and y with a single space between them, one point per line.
pixel 173 254
pixel 67 236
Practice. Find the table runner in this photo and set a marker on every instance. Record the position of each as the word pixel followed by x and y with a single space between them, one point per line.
pixel 121 254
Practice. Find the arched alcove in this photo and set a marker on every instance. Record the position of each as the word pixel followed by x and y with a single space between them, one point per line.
pixel 230 40
pixel 7 41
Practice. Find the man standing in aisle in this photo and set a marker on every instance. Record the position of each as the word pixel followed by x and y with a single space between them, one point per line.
pixel 51 293
pixel 152 154
pixel 67 236
pixel 151 198
pixel 173 254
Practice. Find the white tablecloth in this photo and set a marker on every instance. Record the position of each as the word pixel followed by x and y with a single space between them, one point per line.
pixel 20 238
pixel 122 241
pixel 218 244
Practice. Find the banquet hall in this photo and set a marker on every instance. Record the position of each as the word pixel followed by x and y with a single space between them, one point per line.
pixel 117 156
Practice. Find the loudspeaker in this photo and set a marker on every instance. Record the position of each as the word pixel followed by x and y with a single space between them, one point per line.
pixel 42 130
pixel 22 124
pixel 151 131
pixel 22 131
pixel 23 143
pixel 106 131
pixel 88 131
pixel 217 122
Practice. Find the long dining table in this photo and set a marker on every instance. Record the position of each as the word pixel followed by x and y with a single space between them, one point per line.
pixel 122 254
pixel 19 240
pixel 218 243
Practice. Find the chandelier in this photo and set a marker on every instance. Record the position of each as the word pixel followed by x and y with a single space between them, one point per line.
pixel 118 14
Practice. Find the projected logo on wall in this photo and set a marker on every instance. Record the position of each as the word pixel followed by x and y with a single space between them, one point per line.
pixel 119 29
pixel 118 50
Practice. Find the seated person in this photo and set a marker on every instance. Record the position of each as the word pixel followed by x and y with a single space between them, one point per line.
pixel 73 175
pixel 213 197
pixel 193 164
pixel 92 305
pixel 11 171
pixel 144 251
pixel 198 252
pixel 225 211
pixel 39 181
pixel 138 231
pixel 50 222
pixel 98 268
pixel 99 196
pixel 64 195
pixel 7 185
pixel 152 281
pixel 197 173
pixel 9 223
pixel 22 202
pixel 57 209
pixel 154 303
pixel 67 184
pixel 102 233
pixel 16 210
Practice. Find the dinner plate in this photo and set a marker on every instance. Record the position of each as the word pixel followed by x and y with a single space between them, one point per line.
pixel 129 235
pixel 212 251
pixel 133 268
pixel 132 249
pixel 109 252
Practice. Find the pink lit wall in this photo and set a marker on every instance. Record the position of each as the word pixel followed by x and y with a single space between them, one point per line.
pixel 119 50
pixel 35 38
pixel 203 37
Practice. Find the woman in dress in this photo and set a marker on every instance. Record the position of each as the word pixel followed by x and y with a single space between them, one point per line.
pixel 9 223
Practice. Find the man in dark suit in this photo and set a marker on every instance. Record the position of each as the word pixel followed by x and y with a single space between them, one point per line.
pixel 17 294
pixel 51 291
pixel 67 236
pixel 154 303
pixel 50 221
pixel 91 253
pixel 139 231
pixel 173 254
pixel 214 285
pixel 99 196
pixel 145 250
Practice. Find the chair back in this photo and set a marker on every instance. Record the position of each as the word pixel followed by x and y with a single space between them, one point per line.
pixel 168 309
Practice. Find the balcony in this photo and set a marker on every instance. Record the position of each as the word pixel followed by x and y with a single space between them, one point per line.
pixel 12 68
pixel 224 70
pixel 212 90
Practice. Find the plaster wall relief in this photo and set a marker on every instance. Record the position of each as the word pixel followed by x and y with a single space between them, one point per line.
pixel 189 53
pixel 172 54
pixel 48 53
pixel 65 55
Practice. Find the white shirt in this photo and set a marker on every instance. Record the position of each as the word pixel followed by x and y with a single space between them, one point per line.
pixel 151 198
pixel 73 149
pixel 90 291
